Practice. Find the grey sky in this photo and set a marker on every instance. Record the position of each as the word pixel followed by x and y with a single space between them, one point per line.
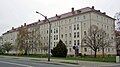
pixel 14 13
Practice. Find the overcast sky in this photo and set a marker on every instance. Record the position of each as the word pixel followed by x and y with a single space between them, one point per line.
pixel 14 13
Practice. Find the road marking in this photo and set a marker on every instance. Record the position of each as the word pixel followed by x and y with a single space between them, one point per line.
pixel 16 64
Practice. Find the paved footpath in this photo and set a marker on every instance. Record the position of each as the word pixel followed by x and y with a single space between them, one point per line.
pixel 58 61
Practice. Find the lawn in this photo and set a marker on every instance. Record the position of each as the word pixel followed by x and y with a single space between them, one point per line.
pixel 32 56
pixel 109 59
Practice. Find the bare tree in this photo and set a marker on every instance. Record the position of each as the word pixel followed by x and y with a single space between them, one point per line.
pixel 118 42
pixel 117 17
pixel 7 46
pixel 104 40
pixel 23 39
pixel 35 39
pixel 96 38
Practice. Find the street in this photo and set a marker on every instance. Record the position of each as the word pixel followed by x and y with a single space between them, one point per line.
pixel 17 62
pixel 10 62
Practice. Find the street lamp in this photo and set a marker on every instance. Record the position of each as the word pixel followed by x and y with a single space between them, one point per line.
pixel 49 33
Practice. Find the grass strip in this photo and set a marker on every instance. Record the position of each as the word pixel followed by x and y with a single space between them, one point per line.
pixel 70 63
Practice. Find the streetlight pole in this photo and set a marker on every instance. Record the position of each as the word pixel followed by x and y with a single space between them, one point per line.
pixel 49 34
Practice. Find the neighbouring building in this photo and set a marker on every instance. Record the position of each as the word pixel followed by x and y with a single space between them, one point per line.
pixel 70 27
pixel 1 40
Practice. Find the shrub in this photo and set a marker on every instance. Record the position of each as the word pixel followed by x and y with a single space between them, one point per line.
pixel 60 50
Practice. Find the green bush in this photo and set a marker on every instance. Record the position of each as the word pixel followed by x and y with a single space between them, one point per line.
pixel 60 50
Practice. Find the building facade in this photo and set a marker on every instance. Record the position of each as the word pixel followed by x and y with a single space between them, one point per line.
pixel 70 27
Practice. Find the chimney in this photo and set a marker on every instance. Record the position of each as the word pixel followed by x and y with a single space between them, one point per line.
pixel 21 25
pixel 78 11
pixel 98 10
pixel 56 15
pixel 72 10
pixel 45 17
pixel 12 28
pixel 39 20
pixel 24 24
pixel 92 7
pixel 104 12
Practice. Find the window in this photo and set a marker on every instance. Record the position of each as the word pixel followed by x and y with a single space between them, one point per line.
pixel 102 18
pixel 98 49
pixel 54 44
pixel 61 22
pixel 69 27
pixel 65 42
pixel 65 21
pixel 78 18
pixel 56 37
pixel 51 43
pixel 85 49
pixel 78 42
pixel 55 24
pixel 97 17
pixel 107 20
pixel 74 42
pixel 112 49
pixel 70 49
pixel 69 20
pixel 107 27
pixel 97 23
pixel 54 30
pixel 65 35
pixel 47 37
pixel 84 41
pixel 69 34
pixel 74 27
pixel 77 34
pixel 108 49
pixel 77 26
pixel 74 34
pixel 75 19
pixel 51 37
pixel 84 17
pixel 51 31
pixel 84 32
pixel 111 37
pixel 69 42
pixel 47 31
pixel 61 35
pixel 84 24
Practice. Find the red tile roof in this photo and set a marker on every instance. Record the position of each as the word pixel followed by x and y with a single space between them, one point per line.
pixel 76 12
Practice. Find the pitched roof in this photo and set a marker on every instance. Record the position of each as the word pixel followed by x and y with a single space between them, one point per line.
pixel 68 14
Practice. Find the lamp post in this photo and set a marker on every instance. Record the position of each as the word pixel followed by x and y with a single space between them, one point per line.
pixel 49 33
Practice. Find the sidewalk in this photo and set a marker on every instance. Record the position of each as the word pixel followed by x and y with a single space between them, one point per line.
pixel 59 61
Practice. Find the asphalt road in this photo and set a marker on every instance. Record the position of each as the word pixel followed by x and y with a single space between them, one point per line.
pixel 15 62
pixel 10 62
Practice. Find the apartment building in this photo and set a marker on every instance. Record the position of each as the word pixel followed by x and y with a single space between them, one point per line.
pixel 1 40
pixel 70 27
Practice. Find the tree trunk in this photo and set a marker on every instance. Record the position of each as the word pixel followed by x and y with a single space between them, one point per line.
pixel 95 53
pixel 25 52
pixel 103 55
